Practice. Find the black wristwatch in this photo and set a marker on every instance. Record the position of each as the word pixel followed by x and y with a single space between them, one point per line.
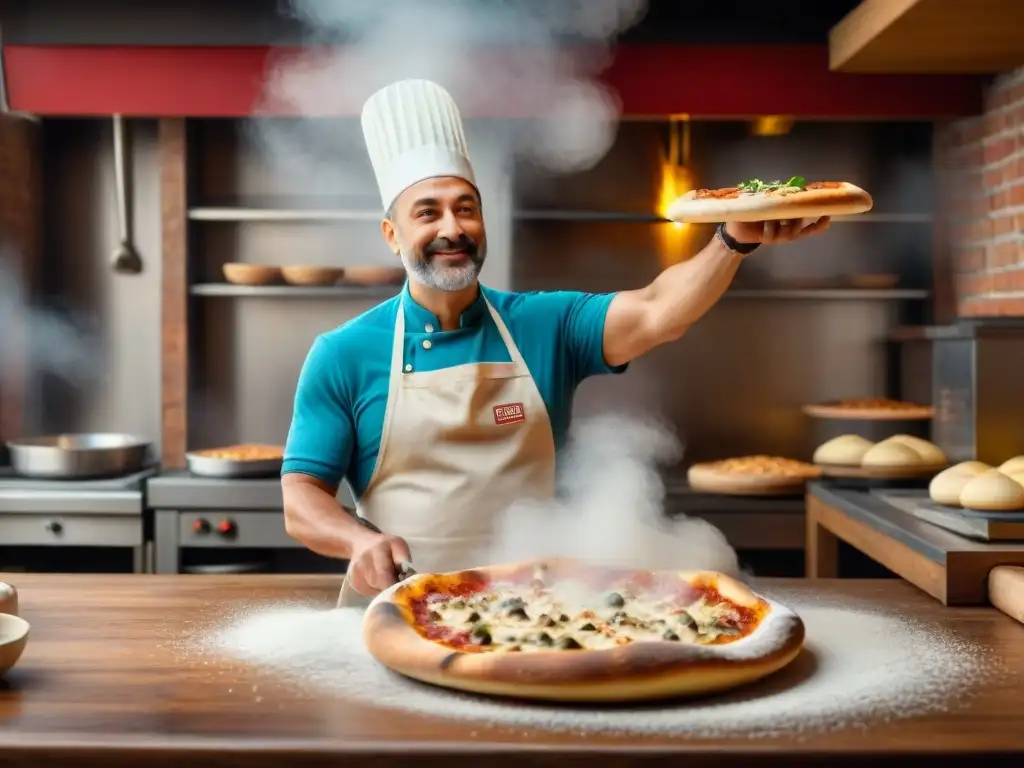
pixel 735 245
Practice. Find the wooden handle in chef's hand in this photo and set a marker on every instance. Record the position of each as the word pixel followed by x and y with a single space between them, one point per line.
pixel 1006 590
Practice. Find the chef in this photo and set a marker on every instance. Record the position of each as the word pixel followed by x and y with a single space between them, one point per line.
pixel 445 404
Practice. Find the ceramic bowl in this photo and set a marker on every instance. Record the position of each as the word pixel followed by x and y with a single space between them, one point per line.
pixel 251 274
pixel 298 275
pixel 13 639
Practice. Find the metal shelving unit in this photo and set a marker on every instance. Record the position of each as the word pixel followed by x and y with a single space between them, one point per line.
pixel 241 214
pixel 227 290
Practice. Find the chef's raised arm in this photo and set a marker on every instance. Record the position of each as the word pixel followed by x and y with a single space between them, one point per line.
pixel 640 320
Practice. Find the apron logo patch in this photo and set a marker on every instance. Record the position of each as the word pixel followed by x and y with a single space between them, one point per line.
pixel 509 413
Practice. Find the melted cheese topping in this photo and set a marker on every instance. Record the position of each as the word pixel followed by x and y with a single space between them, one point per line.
pixel 765 465
pixel 511 618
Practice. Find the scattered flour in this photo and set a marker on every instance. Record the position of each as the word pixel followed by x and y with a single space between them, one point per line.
pixel 862 666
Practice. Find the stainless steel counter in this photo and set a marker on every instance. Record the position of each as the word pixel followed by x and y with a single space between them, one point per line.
pixel 246 514
pixel 748 522
pixel 214 513
pixel 182 490
pixel 75 513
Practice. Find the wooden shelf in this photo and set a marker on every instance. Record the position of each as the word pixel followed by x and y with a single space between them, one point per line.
pixel 281 214
pixel 229 290
pixel 240 214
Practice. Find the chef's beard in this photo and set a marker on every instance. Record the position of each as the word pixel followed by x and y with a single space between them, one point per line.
pixel 444 277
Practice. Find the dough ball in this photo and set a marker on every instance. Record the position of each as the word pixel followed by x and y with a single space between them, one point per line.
pixel 888 454
pixel 971 468
pixel 929 452
pixel 946 487
pixel 1012 466
pixel 992 491
pixel 845 450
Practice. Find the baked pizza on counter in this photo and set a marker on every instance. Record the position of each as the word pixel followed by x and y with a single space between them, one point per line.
pixel 751 475
pixel 566 630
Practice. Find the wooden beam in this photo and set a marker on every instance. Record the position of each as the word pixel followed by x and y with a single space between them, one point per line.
pixel 861 26
pixel 20 239
pixel 929 37
pixel 174 373
pixel 944 297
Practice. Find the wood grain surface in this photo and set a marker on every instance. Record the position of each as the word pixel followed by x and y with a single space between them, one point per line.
pixel 174 377
pixel 102 683
pixel 957 575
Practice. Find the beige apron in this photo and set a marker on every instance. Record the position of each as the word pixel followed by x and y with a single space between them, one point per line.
pixel 458 446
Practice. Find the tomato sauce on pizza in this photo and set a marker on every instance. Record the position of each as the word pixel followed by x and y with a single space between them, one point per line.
pixel 525 612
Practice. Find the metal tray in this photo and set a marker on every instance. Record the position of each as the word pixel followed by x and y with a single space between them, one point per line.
pixel 209 466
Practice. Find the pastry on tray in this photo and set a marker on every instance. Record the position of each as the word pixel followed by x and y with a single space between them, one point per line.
pixel 896 456
pixel 975 485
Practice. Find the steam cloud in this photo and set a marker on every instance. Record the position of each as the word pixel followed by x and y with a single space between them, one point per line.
pixel 469 47
pixel 36 341
pixel 611 508
pixel 611 505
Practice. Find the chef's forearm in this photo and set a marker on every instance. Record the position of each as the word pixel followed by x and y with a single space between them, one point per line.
pixel 681 294
pixel 315 518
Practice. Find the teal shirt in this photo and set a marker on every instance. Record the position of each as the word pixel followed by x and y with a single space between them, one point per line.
pixel 342 390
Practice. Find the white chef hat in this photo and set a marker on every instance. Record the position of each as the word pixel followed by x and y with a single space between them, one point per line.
pixel 413 132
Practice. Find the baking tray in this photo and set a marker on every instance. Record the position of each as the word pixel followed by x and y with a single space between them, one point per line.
pixel 969 523
pixel 881 473
pixel 211 466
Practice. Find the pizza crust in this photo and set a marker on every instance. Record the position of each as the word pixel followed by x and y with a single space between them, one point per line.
pixel 842 200
pixel 875 409
pixel 634 672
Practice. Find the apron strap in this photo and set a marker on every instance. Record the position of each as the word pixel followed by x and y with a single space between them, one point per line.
pixel 513 350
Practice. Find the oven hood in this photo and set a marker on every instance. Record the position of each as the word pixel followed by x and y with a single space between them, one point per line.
pixel 933 37
pixel 196 58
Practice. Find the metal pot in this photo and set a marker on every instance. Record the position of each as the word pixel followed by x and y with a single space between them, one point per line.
pixel 90 455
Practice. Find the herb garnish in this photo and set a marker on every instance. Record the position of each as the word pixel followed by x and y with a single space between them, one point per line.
pixel 756 185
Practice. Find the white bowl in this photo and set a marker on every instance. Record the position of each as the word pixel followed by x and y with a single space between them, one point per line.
pixel 13 639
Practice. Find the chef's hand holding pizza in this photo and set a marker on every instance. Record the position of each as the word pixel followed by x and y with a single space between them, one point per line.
pixel 768 232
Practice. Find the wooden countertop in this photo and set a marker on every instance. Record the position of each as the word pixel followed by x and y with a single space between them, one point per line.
pixel 101 683
pixel 950 567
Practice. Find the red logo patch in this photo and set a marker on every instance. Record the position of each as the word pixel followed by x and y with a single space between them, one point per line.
pixel 509 413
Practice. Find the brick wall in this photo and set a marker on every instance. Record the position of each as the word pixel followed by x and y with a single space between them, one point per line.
pixel 980 209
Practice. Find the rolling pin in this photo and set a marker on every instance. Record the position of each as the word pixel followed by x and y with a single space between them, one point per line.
pixel 1006 590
